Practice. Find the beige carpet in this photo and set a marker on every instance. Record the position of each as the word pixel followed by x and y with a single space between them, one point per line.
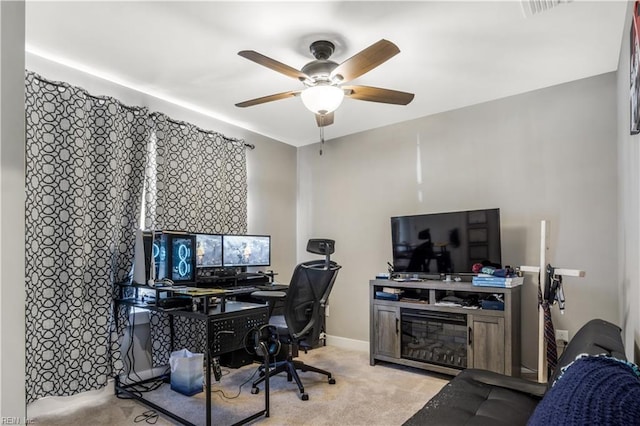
pixel 363 395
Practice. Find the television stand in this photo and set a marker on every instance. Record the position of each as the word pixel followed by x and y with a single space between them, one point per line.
pixel 429 326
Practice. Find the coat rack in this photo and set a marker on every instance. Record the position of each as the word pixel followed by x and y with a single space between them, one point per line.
pixel 541 270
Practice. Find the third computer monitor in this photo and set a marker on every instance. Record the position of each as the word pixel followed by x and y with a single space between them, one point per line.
pixel 246 250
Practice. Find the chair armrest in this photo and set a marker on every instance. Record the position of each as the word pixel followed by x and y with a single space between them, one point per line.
pixel 507 382
pixel 268 295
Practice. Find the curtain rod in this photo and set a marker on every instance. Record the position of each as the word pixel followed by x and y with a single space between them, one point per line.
pixel 110 98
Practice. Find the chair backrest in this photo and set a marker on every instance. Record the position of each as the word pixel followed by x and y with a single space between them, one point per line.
pixel 306 300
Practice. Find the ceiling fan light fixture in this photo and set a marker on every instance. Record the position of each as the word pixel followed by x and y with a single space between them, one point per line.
pixel 322 99
pixel 322 78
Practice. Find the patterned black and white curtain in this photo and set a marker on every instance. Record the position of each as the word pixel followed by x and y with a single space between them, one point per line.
pixel 201 179
pixel 84 163
pixel 200 182
pixel 93 166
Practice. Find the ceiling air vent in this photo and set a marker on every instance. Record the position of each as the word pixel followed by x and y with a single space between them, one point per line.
pixel 532 7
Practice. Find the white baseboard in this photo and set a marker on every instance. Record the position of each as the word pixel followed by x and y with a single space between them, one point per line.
pixel 346 343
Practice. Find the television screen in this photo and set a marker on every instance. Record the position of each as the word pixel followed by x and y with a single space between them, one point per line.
pixel 446 243
pixel 246 250
pixel 208 250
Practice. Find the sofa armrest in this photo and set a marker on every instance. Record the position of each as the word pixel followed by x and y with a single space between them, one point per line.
pixel 507 382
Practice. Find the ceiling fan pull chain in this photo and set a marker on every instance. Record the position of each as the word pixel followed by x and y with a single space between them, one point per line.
pixel 321 137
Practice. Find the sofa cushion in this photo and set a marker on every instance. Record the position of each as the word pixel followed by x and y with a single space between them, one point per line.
pixel 595 390
pixel 468 401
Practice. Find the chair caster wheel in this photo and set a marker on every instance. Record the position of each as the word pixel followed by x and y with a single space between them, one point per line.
pixel 255 391
pixel 332 381
pixel 304 396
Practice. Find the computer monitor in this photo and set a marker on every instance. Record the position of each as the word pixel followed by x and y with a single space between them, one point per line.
pixel 246 250
pixel 208 250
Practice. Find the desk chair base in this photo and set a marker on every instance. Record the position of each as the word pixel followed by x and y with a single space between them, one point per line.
pixel 291 367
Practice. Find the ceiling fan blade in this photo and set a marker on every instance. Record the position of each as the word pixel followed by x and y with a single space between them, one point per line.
pixel 324 120
pixel 265 61
pixel 376 94
pixel 270 98
pixel 366 60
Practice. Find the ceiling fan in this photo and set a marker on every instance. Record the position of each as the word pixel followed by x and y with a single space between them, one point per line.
pixel 323 78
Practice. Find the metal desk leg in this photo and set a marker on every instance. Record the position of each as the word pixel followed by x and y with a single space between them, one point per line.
pixel 207 379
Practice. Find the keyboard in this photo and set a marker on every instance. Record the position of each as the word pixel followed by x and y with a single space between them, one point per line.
pixel 240 290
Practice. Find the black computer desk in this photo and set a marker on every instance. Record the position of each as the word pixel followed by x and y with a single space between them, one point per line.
pixel 222 319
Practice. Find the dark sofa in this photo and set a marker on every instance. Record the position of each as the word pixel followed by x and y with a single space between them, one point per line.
pixel 479 397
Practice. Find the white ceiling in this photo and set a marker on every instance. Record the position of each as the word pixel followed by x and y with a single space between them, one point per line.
pixel 453 53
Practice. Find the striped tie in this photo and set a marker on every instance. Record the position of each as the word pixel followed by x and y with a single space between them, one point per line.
pixel 549 332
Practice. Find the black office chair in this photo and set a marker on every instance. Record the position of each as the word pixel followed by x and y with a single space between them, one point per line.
pixel 304 310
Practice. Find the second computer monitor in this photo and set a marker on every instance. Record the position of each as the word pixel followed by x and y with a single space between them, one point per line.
pixel 246 250
pixel 208 250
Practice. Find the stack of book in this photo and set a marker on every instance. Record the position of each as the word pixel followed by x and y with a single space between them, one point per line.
pixel 483 280
pixel 389 293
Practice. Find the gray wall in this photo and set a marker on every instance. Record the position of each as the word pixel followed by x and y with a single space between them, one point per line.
pixel 12 296
pixel 271 170
pixel 629 214
pixel 548 154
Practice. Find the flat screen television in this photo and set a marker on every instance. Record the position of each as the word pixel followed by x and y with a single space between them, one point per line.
pixel 246 250
pixel 446 243
pixel 208 250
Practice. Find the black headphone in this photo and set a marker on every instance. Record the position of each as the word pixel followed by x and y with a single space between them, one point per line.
pixel 266 338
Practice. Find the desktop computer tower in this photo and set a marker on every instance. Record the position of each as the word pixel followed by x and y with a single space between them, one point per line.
pixel 241 357
pixel 236 359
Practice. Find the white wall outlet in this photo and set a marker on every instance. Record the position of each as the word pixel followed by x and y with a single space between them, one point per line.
pixel 562 335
